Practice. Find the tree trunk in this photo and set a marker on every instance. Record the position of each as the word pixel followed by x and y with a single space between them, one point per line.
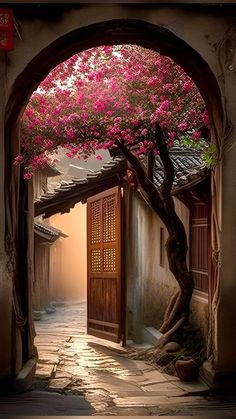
pixel 162 203
pixel 179 305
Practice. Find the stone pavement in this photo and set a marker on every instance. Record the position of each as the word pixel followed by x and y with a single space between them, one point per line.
pixel 82 375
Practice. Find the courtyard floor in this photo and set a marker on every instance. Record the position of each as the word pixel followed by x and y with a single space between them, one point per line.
pixel 80 375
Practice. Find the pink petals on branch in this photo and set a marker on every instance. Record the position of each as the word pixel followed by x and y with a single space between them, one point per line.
pixel 108 94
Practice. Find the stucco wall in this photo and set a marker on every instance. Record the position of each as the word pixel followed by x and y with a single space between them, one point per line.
pixel 5 262
pixel 184 23
pixel 41 274
pixel 200 313
pixel 68 257
pixel 150 286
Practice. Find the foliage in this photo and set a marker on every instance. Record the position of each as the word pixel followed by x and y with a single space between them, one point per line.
pixel 109 94
pixel 210 156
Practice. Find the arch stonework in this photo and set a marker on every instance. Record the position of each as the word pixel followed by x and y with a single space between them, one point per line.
pixel 203 53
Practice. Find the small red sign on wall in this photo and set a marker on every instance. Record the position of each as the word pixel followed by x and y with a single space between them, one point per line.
pixel 6 30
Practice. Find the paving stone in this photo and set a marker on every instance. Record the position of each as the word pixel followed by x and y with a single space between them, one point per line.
pixel 74 370
pixel 44 371
pixel 166 387
pixel 116 384
pixel 62 374
pixel 173 392
pixel 141 401
pixel 193 388
pixel 153 377
pixel 60 383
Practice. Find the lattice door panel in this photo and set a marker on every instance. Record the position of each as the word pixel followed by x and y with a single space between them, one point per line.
pixel 104 265
pixel 95 222
pixel 109 218
pixel 110 259
pixel 96 260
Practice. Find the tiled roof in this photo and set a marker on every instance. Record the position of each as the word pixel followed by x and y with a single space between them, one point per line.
pixel 50 170
pixel 188 165
pixel 49 233
pixel 189 168
pixel 67 194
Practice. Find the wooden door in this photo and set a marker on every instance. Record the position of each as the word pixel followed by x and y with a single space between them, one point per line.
pixel 104 265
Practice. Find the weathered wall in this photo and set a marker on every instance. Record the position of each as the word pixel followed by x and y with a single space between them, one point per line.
pixel 150 286
pixel 68 259
pixel 5 278
pixel 41 274
pixel 200 313
pixel 184 23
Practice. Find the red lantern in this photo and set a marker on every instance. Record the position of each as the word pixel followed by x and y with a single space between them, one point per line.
pixel 6 30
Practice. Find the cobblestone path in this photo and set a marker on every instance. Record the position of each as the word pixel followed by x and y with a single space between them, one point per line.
pixel 80 375
pixel 73 363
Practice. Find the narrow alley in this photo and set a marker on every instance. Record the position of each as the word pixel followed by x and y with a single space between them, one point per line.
pixel 78 374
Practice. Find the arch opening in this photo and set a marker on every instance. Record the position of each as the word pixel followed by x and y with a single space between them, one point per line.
pixel 105 33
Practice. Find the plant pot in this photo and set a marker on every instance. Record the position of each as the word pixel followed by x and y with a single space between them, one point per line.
pixel 187 370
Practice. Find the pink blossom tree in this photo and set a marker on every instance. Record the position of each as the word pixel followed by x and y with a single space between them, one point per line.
pixel 126 97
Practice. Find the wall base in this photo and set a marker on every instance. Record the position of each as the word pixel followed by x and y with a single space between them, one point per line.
pixel 219 382
pixel 22 381
pixel 151 335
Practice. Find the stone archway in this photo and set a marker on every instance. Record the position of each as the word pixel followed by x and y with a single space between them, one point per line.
pixel 18 224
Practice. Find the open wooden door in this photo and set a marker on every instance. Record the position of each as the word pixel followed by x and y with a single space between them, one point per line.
pixel 104 265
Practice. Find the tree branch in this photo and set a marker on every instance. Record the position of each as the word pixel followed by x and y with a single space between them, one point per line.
pixel 150 164
pixel 146 184
pixel 132 160
pixel 169 172
pixel 166 336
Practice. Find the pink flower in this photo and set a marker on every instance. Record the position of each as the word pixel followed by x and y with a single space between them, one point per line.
pixel 107 49
pixel 172 135
pixel 48 144
pixel 163 124
pixel 153 99
pixel 28 175
pixel 168 87
pixel 100 105
pixel 70 133
pixel 153 81
pixel 144 131
pixel 70 155
pixel 80 98
pixel 165 105
pixel 99 157
pixel 38 139
pixel 183 126
pixel 196 135
pixel 18 160
pixel 205 118
pixel 188 85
